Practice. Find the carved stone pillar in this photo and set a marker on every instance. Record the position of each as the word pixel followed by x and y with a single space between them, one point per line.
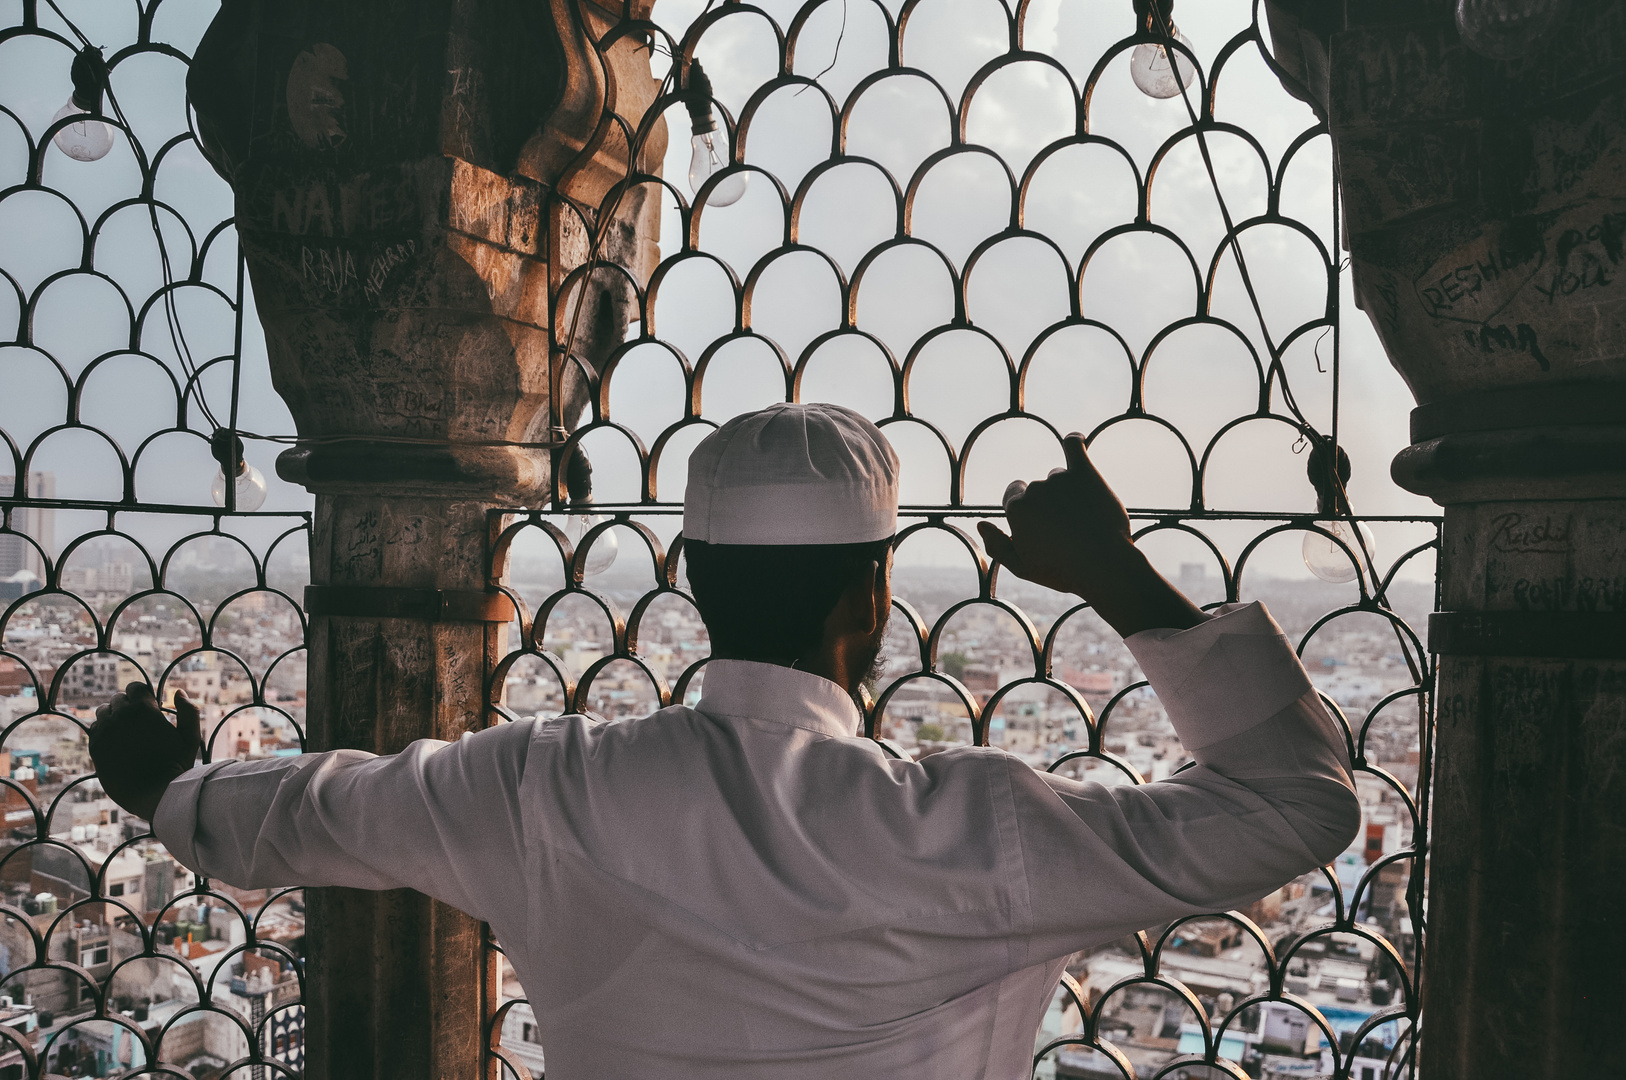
pixel 1485 205
pixel 396 171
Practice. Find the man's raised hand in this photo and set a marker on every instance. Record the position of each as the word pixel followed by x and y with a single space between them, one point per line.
pixel 137 751
pixel 1069 532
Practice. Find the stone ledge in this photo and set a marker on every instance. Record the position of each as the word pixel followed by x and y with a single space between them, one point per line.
pixel 1548 462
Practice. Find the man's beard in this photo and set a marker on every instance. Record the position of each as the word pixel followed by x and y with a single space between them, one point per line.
pixel 877 663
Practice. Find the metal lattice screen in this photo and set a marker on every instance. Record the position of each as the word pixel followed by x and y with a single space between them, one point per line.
pixel 963 219
pixel 967 221
pixel 122 304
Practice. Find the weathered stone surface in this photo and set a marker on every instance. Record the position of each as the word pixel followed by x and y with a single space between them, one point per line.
pixel 1485 212
pixel 392 171
pixel 413 183
pixel 1486 203
pixel 1523 961
pixel 398 981
pixel 1532 555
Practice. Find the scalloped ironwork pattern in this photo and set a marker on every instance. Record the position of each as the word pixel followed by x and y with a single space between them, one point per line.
pixel 857 221
pixel 131 966
pixel 895 351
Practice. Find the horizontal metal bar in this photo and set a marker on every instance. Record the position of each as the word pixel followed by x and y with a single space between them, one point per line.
pixel 983 511
pixel 394 602
pixel 149 508
pixel 1570 635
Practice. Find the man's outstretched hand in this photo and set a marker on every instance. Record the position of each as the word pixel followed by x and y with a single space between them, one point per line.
pixel 1070 533
pixel 137 751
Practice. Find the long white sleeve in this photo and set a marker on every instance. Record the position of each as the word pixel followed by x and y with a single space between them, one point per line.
pixel 1270 797
pixel 438 817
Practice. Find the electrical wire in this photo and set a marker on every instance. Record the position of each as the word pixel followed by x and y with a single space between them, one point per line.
pixel 172 318
pixel 189 367
pixel 1172 55
pixel 634 149
pixel 1165 26
pixel 835 54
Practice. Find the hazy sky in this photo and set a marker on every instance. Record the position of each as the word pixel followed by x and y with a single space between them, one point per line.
pixel 1198 379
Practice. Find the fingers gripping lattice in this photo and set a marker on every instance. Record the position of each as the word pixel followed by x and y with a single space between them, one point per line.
pixel 965 221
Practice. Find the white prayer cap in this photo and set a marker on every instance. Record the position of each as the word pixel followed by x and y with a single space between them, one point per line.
pixel 793 474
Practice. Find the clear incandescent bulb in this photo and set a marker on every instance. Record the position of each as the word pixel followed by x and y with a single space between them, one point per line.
pixel 1503 29
pixel 707 159
pixel 1149 66
pixel 85 140
pixel 1327 560
pixel 250 488
pixel 603 552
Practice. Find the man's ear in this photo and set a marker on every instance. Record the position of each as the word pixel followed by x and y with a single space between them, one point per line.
pixel 856 611
pixel 876 596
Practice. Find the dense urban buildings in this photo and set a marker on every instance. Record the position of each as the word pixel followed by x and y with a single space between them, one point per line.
pixel 256 639
pixel 92 885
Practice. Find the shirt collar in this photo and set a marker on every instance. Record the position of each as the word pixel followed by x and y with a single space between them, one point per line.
pixel 778 695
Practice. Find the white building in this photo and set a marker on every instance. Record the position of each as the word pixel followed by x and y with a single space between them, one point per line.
pixel 16 554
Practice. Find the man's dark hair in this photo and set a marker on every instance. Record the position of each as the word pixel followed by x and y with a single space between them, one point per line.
pixel 769 602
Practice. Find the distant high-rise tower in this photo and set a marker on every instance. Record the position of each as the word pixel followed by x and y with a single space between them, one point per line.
pixel 16 554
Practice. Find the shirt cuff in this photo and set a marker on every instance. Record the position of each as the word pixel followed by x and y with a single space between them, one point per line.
pixel 175 822
pixel 1221 677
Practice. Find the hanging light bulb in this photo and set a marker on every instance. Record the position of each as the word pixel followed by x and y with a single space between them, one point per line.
pixel 605 548
pixel 250 485
pixel 1503 29
pixel 710 146
pixel 247 484
pixel 1158 71
pixel 1325 557
pixel 87 139
pixel 579 487
pixel 1330 562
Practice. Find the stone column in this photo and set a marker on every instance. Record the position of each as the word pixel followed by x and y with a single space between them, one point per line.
pixel 1485 204
pixel 397 172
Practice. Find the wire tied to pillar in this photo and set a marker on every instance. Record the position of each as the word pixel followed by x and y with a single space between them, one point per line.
pixel 601 228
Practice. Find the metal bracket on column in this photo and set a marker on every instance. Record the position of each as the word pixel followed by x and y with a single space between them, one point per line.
pixel 393 602
pixel 1568 635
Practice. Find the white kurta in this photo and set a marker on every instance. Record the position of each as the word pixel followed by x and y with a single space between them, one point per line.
pixel 744 889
